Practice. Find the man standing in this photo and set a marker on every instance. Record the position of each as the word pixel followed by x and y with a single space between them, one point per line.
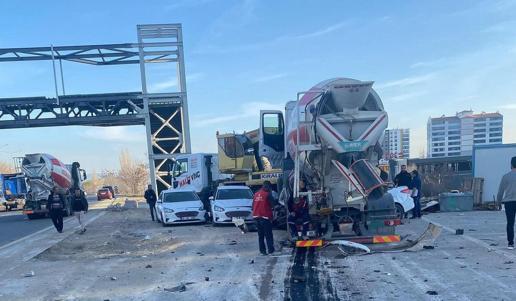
pixel 263 202
pixel 416 194
pixel 507 195
pixel 150 197
pixel 403 178
pixel 55 206
pixel 298 214
pixel 79 206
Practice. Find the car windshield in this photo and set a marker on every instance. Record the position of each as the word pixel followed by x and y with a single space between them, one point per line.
pixel 183 196
pixel 229 194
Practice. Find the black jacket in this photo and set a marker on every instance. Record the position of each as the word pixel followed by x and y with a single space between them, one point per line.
pixel 58 200
pixel 150 196
pixel 79 203
pixel 403 179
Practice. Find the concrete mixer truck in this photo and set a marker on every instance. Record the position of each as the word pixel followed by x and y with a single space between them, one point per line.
pixel 330 139
pixel 42 173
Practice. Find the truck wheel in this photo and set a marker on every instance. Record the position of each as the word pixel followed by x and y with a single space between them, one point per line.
pixel 400 213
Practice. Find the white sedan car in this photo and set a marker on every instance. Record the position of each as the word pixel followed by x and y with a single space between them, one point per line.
pixel 180 206
pixel 402 200
pixel 232 202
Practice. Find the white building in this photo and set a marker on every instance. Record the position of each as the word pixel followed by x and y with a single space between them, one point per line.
pixel 455 135
pixel 396 144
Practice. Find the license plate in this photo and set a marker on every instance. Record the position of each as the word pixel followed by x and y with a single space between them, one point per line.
pixel 186 218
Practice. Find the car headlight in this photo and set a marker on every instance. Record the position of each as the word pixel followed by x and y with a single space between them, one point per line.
pixel 201 208
pixel 167 210
pixel 217 208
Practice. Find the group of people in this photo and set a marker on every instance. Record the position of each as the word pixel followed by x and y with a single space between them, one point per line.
pixel 56 207
pixel 413 182
pixel 264 202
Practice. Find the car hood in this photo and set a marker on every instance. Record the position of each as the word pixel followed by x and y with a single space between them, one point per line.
pixel 234 203
pixel 179 206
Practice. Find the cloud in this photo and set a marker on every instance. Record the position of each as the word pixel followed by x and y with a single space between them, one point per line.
pixel 164 85
pixel 509 106
pixel 270 77
pixel 404 97
pixel 118 134
pixel 431 63
pixel 178 4
pixel 407 81
pixel 213 49
pixel 320 32
pixel 171 83
pixel 246 111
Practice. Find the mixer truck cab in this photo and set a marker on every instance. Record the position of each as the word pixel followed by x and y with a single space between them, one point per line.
pixel 198 172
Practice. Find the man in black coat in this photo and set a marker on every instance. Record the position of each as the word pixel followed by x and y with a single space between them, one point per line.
pixel 79 206
pixel 55 207
pixel 403 178
pixel 150 197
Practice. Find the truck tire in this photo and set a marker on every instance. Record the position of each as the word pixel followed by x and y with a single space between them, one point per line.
pixel 400 213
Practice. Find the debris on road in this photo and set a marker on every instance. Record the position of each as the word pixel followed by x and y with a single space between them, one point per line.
pixel 179 288
pixel 29 274
pixel 459 231
pixel 148 266
pixel 113 278
pixel 433 293
pixel 206 278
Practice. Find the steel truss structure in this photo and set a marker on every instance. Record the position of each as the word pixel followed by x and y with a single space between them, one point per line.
pixel 165 115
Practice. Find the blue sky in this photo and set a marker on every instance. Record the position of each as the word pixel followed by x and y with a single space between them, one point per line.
pixel 427 59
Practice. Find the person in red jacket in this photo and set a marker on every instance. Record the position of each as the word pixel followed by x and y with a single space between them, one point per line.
pixel 298 214
pixel 263 202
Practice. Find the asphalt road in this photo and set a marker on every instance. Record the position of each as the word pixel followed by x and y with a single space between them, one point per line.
pixel 15 225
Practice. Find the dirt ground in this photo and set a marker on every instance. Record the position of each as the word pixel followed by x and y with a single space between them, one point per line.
pixel 125 256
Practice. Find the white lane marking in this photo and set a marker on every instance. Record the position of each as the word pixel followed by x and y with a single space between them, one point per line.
pixel 483 275
pixel 410 277
pixel 438 281
pixel 473 240
pixel 67 221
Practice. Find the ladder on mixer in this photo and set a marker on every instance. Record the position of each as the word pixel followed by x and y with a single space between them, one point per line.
pixel 303 148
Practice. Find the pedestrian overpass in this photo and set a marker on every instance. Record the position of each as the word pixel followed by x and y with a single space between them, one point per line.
pixel 165 115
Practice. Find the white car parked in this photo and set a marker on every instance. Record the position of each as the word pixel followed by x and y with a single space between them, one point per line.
pixel 402 200
pixel 180 206
pixel 232 202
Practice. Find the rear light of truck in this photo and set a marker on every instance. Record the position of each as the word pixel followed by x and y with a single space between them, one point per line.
pixel 392 222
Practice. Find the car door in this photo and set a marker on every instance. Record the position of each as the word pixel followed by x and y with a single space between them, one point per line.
pixel 272 140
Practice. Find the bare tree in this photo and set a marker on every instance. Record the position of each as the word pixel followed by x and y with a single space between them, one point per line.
pixel 6 167
pixel 132 173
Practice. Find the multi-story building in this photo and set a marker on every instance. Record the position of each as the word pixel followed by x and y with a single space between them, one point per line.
pixel 396 144
pixel 456 135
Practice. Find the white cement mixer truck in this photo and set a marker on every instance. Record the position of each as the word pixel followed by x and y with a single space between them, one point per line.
pixel 330 138
pixel 42 173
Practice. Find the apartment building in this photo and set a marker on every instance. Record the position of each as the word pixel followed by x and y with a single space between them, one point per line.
pixel 456 135
pixel 396 144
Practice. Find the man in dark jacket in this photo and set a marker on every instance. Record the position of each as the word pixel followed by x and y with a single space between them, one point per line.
pixel 416 194
pixel 150 197
pixel 263 202
pixel 79 206
pixel 298 214
pixel 56 206
pixel 403 178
